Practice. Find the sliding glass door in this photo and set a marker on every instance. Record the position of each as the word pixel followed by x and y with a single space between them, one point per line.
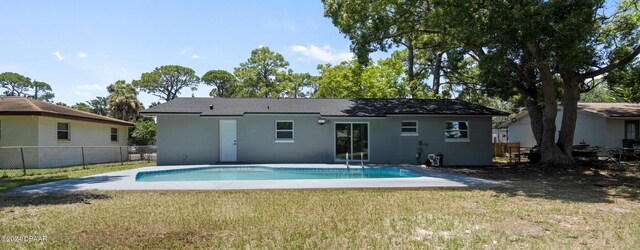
pixel 352 138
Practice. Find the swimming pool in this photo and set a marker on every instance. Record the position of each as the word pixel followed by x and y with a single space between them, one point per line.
pixel 220 173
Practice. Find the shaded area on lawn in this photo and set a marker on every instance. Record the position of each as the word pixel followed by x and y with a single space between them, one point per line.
pixel 7 182
pixel 12 178
pixel 589 182
pixel 67 185
pixel 60 198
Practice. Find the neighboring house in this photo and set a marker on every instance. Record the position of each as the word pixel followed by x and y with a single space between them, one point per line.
pixel 25 122
pixel 220 130
pixel 598 124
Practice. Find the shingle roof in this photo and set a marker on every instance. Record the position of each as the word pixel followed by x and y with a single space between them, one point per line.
pixel 10 105
pixel 324 107
pixel 606 109
pixel 612 109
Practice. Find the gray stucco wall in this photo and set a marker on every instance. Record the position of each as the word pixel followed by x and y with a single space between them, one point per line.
pixel 190 139
pixel 390 147
pixel 187 139
pixel 256 140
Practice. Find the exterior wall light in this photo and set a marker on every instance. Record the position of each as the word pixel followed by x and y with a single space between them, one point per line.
pixel 322 121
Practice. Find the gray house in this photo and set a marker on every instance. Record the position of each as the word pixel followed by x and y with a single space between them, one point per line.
pixel 246 130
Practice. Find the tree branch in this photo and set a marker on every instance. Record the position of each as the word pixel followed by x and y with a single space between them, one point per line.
pixel 611 66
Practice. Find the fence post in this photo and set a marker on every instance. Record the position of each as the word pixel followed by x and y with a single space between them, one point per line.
pixel 83 162
pixel 24 165
pixel 121 163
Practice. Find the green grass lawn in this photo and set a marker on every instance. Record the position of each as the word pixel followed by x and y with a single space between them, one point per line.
pixel 576 208
pixel 366 218
pixel 10 178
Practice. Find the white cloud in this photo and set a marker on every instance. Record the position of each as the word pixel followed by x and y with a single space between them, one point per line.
pixel 324 53
pixel 58 55
pixel 185 50
pixel 87 89
pixel 82 55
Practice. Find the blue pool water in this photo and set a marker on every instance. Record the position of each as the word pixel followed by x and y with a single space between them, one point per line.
pixel 269 173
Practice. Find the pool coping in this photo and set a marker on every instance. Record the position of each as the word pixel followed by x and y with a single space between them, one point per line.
pixel 125 180
pixel 269 169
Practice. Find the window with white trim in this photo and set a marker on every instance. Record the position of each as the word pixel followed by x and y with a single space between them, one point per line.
pixel 284 131
pixel 456 131
pixel 114 134
pixel 409 128
pixel 64 131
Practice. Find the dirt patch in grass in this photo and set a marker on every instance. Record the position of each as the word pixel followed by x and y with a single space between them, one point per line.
pixel 588 182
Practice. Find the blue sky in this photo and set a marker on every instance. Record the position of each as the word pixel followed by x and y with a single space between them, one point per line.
pixel 80 47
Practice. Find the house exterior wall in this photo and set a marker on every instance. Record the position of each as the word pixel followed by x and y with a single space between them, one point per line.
pixel 256 140
pixel 589 129
pixel 83 133
pixel 586 126
pixel 16 130
pixel 592 129
pixel 187 139
pixel 41 147
pixel 614 133
pixel 520 131
pixel 190 139
pixel 93 136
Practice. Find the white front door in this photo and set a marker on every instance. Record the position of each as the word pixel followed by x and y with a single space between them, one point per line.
pixel 228 141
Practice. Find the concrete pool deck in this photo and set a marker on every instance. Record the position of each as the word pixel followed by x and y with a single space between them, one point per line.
pixel 125 180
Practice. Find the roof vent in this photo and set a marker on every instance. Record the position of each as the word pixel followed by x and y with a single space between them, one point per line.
pixel 267 107
pixel 211 107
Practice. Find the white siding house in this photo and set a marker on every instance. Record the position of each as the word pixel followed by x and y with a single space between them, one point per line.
pixel 598 124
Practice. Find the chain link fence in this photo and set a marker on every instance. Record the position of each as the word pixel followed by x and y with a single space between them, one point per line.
pixel 15 158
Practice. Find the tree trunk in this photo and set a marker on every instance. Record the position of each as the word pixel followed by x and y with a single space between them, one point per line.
pixel 569 115
pixel 413 87
pixel 551 154
pixel 437 67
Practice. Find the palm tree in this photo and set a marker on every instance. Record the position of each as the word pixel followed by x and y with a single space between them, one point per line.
pixel 123 101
